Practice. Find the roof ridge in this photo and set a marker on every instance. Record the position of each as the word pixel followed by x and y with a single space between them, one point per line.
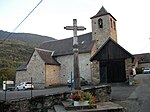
pixel 43 50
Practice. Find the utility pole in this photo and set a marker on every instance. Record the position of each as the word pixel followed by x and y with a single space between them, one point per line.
pixel 75 28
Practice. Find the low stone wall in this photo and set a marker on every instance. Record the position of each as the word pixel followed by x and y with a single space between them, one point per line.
pixel 46 103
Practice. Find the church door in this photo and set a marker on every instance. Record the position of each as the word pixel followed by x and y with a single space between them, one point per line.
pixel 112 71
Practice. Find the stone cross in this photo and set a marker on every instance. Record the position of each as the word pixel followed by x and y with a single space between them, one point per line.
pixel 75 28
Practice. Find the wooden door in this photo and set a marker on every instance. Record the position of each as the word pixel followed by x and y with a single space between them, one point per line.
pixel 112 71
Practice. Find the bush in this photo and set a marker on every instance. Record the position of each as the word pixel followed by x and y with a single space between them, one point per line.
pixel 139 70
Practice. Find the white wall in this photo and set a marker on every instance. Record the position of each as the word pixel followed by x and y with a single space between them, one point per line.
pixel 67 66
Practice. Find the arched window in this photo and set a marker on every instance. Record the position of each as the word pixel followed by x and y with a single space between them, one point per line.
pixel 100 23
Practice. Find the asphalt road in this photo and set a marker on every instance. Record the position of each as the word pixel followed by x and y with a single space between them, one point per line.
pixel 28 93
pixel 134 98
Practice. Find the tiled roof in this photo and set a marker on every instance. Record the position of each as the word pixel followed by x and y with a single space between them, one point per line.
pixel 64 46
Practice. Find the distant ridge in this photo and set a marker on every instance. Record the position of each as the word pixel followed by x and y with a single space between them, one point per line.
pixel 18 48
pixel 28 38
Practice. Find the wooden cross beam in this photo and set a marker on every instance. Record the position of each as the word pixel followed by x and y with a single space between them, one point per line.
pixel 76 72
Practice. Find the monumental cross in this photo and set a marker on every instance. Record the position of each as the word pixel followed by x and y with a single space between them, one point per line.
pixel 76 72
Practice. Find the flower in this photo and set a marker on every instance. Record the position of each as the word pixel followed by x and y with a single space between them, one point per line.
pixel 79 95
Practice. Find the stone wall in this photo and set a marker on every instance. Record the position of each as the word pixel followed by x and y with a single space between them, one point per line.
pixel 67 67
pixel 35 69
pixel 52 75
pixel 46 103
pixel 128 65
pixel 102 34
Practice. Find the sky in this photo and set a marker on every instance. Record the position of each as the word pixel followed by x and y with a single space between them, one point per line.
pixel 51 16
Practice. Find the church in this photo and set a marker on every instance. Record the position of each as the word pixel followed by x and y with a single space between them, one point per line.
pixel 101 58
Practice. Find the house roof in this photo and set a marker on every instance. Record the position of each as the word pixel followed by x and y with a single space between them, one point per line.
pixel 47 57
pixel 102 12
pixel 65 46
pixel 23 67
pixel 142 58
pixel 110 50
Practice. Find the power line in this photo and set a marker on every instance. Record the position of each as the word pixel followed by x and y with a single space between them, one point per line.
pixel 20 23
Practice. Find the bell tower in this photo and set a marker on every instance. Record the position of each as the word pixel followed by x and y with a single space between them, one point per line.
pixel 103 27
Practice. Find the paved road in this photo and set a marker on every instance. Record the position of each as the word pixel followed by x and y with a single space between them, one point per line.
pixel 134 98
pixel 28 93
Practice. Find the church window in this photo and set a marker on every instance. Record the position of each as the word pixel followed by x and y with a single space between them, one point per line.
pixel 114 25
pixel 111 23
pixel 100 23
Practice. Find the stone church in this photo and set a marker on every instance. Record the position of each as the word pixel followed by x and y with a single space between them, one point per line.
pixel 101 58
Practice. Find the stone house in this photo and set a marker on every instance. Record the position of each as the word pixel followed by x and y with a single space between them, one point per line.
pixel 143 60
pixel 99 52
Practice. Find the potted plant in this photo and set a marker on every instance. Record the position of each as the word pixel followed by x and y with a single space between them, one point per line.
pixel 82 98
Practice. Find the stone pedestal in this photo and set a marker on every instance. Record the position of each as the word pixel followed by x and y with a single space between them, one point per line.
pixel 81 103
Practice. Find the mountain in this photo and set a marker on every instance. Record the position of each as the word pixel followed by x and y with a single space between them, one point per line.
pixel 28 38
pixel 17 49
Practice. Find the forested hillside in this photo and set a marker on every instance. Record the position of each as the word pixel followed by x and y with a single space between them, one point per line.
pixel 16 50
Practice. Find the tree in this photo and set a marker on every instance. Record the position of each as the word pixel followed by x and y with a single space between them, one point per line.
pixel 7 74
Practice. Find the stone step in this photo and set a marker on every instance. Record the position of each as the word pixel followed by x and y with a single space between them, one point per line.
pixel 105 107
pixel 98 107
pixel 69 106
pixel 59 108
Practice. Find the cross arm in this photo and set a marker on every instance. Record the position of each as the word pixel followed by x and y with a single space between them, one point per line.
pixel 72 28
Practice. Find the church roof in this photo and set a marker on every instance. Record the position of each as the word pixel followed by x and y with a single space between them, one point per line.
pixel 111 50
pixel 102 12
pixel 64 46
pixel 47 57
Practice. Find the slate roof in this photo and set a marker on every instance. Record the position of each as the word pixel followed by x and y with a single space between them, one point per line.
pixel 64 46
pixel 47 57
pixel 111 50
pixel 142 58
pixel 102 12
pixel 23 67
pixel 49 50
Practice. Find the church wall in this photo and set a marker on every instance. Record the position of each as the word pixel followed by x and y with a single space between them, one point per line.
pixel 67 67
pixel 85 66
pixel 128 65
pixel 35 69
pixel 52 75
pixel 102 34
pixel 95 67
